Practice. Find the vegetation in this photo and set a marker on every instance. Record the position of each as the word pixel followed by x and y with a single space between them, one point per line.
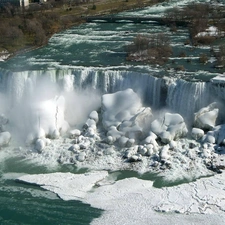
pixel 203 58
pixel 219 54
pixel 25 28
pixel 154 49
pixel 199 17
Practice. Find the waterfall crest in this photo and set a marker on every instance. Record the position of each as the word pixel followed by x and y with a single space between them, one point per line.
pixel 178 96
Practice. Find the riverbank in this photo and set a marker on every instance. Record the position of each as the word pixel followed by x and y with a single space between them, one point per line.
pixel 32 29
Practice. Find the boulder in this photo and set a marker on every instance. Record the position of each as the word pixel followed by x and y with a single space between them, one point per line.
pixel 151 140
pixel 197 133
pixel 206 117
pixel 94 116
pixel 74 133
pixel 119 106
pixel 143 119
pixel 5 138
pixel 123 141
pixel 114 133
pixel 164 154
pixel 90 122
pixel 81 157
pixel 217 135
pixel 170 127
pixel 39 145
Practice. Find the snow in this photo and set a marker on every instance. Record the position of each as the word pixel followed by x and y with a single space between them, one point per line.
pixel 4 138
pixel 169 127
pixel 4 55
pixel 136 201
pixel 206 117
pixel 119 106
pixel 218 79
pixel 138 139
pixel 67 185
pixel 133 138
pixel 210 31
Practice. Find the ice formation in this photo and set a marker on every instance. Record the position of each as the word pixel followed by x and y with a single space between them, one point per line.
pixel 136 201
pixel 120 126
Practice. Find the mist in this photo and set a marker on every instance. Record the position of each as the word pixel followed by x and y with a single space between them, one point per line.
pixel 41 107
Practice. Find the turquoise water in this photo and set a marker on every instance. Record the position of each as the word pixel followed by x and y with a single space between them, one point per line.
pixel 29 204
pixel 103 45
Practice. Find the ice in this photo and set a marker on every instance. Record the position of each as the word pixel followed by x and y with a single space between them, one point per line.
pixel 139 139
pixel 197 133
pixel 67 186
pixel 119 106
pixel 206 117
pixel 169 127
pixel 218 79
pixel 118 122
pixel 136 201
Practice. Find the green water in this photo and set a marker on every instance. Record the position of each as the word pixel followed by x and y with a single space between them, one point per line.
pixel 29 204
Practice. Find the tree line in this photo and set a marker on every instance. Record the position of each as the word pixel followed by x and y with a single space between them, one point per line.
pixel 156 49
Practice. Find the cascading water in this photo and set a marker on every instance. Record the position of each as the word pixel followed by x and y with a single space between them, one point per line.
pixel 178 96
pixel 187 98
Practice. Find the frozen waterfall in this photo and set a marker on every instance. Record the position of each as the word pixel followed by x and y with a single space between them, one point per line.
pixel 176 95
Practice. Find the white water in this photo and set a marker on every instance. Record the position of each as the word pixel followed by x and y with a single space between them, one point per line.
pixel 177 95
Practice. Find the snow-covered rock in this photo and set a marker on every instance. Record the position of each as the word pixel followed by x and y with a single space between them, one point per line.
pixel 5 138
pixel 170 127
pixel 81 157
pixel 114 133
pixel 4 55
pixel 217 135
pixel 143 119
pixel 164 154
pixel 197 133
pixel 39 145
pixel 94 116
pixel 206 117
pixel 74 133
pixel 151 139
pixel 119 106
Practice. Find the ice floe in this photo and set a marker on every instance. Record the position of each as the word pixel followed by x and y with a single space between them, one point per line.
pixel 136 201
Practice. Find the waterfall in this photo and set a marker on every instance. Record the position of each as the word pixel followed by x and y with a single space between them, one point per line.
pixel 186 98
pixel 178 96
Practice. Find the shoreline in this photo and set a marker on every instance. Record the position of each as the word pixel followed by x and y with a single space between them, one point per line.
pixel 107 11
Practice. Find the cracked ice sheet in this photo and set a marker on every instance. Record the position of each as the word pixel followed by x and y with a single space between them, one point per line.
pixel 67 186
pixel 133 201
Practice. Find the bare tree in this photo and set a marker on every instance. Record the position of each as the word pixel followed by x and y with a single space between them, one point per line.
pixel 151 48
